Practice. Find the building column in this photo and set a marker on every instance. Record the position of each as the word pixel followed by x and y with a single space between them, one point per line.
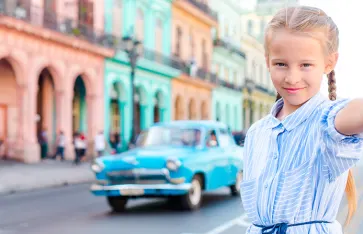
pixel 27 148
pixel 92 125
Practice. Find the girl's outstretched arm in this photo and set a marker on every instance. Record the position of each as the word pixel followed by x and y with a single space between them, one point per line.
pixel 349 120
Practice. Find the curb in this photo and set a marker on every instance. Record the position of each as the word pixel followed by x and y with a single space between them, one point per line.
pixel 61 183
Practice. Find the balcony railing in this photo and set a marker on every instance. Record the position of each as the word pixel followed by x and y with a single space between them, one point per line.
pixel 38 16
pixel 162 59
pixel 229 46
pixel 205 8
pixel 230 85
pixel 198 72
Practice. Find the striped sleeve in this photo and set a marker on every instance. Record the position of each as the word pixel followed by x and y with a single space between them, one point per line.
pixel 340 152
pixel 247 156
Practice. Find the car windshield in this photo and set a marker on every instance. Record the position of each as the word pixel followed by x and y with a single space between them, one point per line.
pixel 162 135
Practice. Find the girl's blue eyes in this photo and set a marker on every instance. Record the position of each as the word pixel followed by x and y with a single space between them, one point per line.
pixel 284 65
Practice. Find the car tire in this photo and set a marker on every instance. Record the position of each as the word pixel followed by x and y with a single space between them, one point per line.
pixel 118 204
pixel 235 189
pixel 193 199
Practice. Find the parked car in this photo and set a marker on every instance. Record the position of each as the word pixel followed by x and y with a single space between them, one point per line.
pixel 177 160
pixel 239 138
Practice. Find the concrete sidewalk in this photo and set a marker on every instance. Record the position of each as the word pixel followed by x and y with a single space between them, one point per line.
pixel 15 177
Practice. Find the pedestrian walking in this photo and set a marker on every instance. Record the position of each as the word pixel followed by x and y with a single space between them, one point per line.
pixel 43 142
pixel 78 147
pixel 100 143
pixel 297 160
pixel 61 142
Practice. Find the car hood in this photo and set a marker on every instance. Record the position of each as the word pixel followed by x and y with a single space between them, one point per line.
pixel 148 157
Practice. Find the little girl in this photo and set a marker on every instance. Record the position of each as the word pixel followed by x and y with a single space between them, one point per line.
pixel 297 159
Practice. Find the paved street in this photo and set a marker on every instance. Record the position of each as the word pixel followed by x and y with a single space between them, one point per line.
pixel 73 209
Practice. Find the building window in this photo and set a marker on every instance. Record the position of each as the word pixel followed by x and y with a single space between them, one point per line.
pixel 226 29
pixel 179 35
pixel 217 69
pixel 261 75
pixel 140 25
pixel 85 12
pixel 159 36
pixel 253 69
pixel 235 77
pixel 226 74
pixel 250 27
pixel 204 55
pixel 191 43
pixel 117 18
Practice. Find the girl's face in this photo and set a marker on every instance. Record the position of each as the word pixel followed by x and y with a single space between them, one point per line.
pixel 297 64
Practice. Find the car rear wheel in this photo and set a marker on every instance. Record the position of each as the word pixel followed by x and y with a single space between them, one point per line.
pixel 193 199
pixel 118 204
pixel 235 189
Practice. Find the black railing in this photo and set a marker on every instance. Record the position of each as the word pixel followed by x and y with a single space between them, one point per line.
pixel 38 16
pixel 162 59
pixel 230 85
pixel 262 89
pixel 229 46
pixel 198 72
pixel 205 8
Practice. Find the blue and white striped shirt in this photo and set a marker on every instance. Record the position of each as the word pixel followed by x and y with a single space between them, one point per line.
pixel 295 170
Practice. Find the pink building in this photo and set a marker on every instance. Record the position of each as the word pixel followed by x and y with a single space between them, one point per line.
pixel 51 73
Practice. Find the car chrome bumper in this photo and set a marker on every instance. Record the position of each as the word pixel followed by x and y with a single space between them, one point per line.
pixel 140 190
pixel 98 187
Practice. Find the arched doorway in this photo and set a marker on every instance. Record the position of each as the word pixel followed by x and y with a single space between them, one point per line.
pixel 204 110
pixel 8 108
pixel 178 108
pixel 46 113
pixel 115 114
pixel 139 106
pixel 192 109
pixel 159 107
pixel 79 113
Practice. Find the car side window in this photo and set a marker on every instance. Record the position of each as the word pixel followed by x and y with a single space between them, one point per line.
pixel 225 138
pixel 211 139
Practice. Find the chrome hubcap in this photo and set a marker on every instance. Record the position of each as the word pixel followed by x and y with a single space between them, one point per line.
pixel 195 192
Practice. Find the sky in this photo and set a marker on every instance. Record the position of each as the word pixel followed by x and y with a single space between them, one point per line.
pixel 346 14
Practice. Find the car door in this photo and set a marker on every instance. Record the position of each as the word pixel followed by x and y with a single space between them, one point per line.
pixel 227 145
pixel 216 169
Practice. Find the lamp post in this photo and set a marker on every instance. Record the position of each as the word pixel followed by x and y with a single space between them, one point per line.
pixel 132 51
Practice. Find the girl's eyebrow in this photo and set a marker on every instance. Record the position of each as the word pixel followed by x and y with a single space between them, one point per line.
pixel 302 61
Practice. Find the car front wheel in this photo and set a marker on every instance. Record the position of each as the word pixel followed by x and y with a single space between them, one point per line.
pixel 118 204
pixel 193 199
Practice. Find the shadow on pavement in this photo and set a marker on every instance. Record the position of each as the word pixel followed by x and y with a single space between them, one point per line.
pixel 162 206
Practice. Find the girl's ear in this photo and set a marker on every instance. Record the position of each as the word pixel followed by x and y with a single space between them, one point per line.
pixel 331 62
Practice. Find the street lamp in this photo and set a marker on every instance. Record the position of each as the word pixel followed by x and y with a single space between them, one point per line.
pixel 132 50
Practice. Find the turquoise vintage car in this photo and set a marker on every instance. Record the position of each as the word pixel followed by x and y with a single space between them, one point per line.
pixel 177 160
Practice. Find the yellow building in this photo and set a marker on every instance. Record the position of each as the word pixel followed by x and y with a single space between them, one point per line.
pixel 259 93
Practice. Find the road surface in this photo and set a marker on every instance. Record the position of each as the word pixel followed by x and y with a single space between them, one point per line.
pixel 74 210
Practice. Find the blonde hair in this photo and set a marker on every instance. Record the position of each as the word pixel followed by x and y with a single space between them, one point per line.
pixel 316 23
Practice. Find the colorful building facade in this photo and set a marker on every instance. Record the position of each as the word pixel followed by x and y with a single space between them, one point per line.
pixel 51 58
pixel 150 23
pixel 259 93
pixel 192 24
pixel 229 64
